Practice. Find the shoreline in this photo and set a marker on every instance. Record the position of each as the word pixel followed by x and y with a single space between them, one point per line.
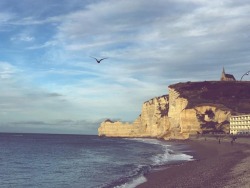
pixel 215 165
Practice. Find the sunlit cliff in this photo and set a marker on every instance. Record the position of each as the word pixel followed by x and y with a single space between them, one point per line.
pixel 189 108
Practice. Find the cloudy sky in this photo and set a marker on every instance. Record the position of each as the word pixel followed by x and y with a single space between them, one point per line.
pixel 49 83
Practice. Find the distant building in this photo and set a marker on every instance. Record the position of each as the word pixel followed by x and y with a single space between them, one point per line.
pixel 240 124
pixel 226 77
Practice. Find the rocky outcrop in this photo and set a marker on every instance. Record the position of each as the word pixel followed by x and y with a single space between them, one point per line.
pixel 154 116
pixel 190 108
pixel 153 122
pixel 204 119
pixel 119 129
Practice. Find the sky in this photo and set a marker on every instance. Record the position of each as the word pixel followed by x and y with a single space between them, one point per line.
pixel 50 84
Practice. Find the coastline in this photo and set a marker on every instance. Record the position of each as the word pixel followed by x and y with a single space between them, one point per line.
pixel 215 165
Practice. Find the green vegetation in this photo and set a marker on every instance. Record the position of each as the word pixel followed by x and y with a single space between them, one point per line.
pixel 234 95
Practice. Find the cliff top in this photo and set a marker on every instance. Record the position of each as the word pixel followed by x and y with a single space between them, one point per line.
pixel 157 98
pixel 231 94
pixel 108 120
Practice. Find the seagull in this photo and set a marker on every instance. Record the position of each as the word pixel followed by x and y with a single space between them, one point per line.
pixel 99 60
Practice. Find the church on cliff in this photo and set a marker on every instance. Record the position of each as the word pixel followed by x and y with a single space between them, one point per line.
pixel 226 77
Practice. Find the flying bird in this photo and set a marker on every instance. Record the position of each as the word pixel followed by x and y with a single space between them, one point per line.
pixel 99 60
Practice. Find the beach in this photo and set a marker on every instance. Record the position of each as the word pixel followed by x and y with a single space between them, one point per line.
pixel 218 163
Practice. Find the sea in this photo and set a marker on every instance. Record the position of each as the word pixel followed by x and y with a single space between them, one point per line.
pixel 83 161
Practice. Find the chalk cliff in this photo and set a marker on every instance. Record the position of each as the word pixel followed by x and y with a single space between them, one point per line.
pixel 153 122
pixel 190 108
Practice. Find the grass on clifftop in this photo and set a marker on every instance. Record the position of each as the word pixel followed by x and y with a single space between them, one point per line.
pixel 234 95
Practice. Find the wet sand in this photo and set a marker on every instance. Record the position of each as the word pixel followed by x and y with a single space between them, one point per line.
pixel 216 165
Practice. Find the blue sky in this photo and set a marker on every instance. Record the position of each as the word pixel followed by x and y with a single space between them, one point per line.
pixel 50 84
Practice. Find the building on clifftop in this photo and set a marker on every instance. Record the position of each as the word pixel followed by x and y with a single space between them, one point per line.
pixel 226 77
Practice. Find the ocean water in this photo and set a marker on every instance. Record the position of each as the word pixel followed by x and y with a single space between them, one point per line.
pixel 58 161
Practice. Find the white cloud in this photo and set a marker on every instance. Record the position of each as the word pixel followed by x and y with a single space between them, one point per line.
pixel 22 38
pixel 133 25
pixel 149 45
pixel 5 17
pixel 7 70
pixel 40 46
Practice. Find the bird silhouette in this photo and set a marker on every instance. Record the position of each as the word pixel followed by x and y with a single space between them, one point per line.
pixel 99 60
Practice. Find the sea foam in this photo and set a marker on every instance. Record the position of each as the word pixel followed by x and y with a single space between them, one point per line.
pixel 133 183
pixel 168 155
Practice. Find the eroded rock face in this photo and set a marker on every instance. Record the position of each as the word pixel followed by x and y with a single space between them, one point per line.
pixel 204 119
pixel 172 117
pixel 119 129
pixel 176 105
pixel 153 122
pixel 154 116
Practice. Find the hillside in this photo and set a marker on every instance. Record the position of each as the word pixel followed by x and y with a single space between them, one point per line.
pixel 232 95
pixel 189 108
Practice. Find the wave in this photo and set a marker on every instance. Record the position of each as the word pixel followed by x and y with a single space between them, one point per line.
pixel 137 176
pixel 133 183
pixel 168 155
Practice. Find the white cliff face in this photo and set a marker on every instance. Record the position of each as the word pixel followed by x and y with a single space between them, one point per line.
pixel 195 120
pixel 189 122
pixel 185 121
pixel 176 105
pixel 168 117
pixel 154 116
pixel 119 129
pixel 153 122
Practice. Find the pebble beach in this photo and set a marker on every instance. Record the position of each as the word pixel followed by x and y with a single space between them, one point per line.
pixel 218 163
